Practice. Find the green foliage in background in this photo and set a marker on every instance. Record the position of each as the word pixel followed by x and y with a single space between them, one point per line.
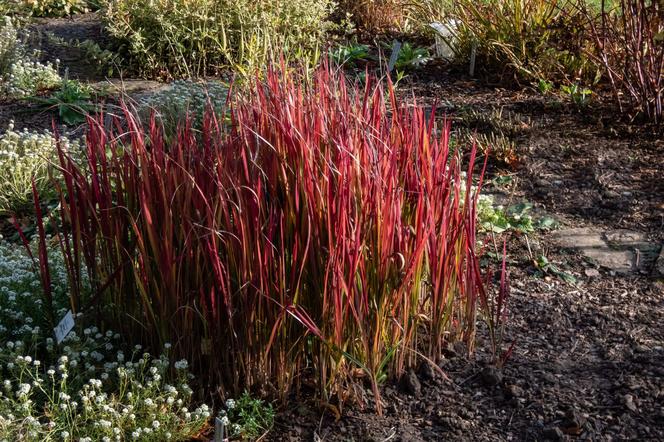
pixel 520 40
pixel 25 156
pixel 20 74
pixel 187 38
pixel 45 8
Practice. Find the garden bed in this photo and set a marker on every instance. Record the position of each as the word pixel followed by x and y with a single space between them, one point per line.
pixel 584 341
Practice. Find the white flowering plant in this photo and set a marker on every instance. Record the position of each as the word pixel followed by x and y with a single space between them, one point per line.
pixel 183 98
pixel 90 387
pixel 247 417
pixel 22 309
pixel 20 74
pixel 92 391
pixel 24 156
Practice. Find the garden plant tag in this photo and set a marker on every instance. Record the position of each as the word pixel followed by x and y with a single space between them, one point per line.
pixel 219 431
pixel 396 48
pixel 64 327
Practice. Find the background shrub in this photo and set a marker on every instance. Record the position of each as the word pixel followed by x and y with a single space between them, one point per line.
pixel 185 38
pixel 20 75
pixel 376 16
pixel 26 156
pixel 184 99
pixel 630 49
pixel 45 8
pixel 522 40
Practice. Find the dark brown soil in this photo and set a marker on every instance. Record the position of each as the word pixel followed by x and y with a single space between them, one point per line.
pixel 588 361
pixel 57 38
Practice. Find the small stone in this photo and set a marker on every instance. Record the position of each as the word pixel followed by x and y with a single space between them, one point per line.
pixel 491 376
pixel 513 391
pixel 426 371
pixel 658 270
pixel 553 434
pixel 573 423
pixel 410 384
pixel 612 194
pixel 629 402
pixel 592 273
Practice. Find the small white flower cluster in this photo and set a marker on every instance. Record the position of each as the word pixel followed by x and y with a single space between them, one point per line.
pixel 27 77
pixel 21 75
pixel 26 155
pixel 92 392
pixel 88 388
pixel 21 304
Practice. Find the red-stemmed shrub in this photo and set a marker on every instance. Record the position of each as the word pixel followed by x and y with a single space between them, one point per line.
pixel 629 40
pixel 326 233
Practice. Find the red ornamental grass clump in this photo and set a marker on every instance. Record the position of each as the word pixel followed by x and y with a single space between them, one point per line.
pixel 326 233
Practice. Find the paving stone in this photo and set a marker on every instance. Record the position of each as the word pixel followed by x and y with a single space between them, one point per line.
pixel 623 251
pixel 130 87
pixel 658 270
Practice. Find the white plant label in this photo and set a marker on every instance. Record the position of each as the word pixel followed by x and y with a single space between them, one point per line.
pixel 396 48
pixel 219 431
pixel 64 327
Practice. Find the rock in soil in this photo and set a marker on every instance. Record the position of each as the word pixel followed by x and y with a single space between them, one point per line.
pixel 513 391
pixel 491 376
pixel 553 434
pixel 629 402
pixel 573 423
pixel 620 250
pixel 410 384
pixel 426 371
pixel 658 271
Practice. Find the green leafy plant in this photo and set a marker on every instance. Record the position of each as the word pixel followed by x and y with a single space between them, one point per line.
pixel 349 54
pixel 544 86
pixel 546 267
pixel 497 219
pixel 412 57
pixel 248 417
pixel 188 38
pixel 73 101
pixel 579 95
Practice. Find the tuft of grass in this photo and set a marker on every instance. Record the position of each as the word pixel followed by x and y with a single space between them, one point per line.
pixel 327 232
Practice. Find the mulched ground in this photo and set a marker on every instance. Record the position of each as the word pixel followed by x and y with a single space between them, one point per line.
pixel 588 361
